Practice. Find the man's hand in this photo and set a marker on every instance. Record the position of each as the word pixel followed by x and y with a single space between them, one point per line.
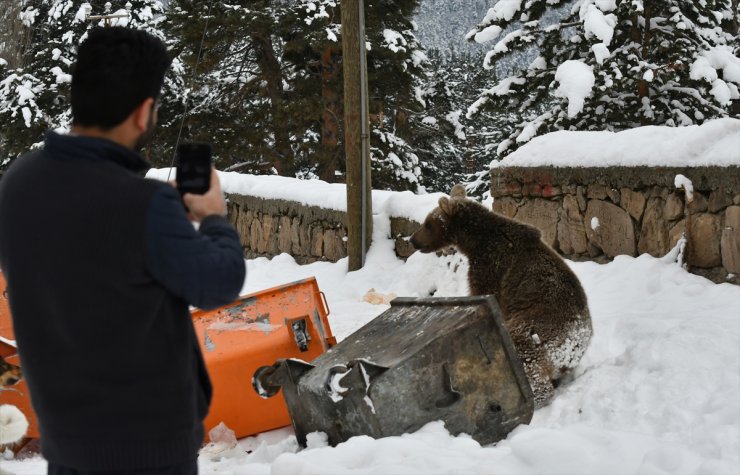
pixel 212 202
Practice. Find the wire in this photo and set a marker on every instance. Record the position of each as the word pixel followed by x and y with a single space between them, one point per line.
pixel 192 82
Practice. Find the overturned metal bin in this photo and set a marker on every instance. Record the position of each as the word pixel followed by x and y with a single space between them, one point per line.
pixel 422 360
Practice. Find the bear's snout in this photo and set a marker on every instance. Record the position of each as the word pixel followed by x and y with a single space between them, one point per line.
pixel 420 242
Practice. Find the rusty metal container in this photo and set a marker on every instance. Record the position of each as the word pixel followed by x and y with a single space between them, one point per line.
pixel 448 359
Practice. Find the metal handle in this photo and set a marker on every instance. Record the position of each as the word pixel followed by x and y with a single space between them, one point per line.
pixel 324 302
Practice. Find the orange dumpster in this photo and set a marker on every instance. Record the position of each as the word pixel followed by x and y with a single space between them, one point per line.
pixel 288 321
pixel 16 394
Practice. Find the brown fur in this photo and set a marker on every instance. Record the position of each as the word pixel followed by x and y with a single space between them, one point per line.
pixel 9 374
pixel 541 299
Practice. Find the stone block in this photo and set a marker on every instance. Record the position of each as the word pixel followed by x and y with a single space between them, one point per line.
pixel 267 241
pixel 736 200
pixel 674 207
pixel 505 206
pixel 295 236
pixel 654 238
pixel 550 191
pixel 730 242
pixel 317 241
pixel 699 204
pixel 676 232
pixel 704 240
pixel 613 195
pixel 304 238
pixel 284 241
pixel 615 234
pixel 403 247
pixel 571 232
pixel 334 247
pixel 542 214
pixel 718 200
pixel 659 192
pixel 582 201
pixel 500 186
pixel 597 192
pixel 633 202
pixel 403 227
pixel 255 231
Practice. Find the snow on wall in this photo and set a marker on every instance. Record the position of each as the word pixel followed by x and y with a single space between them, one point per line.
pixel 318 193
pixel 714 143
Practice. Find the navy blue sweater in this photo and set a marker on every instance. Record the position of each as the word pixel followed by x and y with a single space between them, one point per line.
pixel 101 265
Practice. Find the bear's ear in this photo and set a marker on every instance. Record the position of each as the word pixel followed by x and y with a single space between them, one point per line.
pixel 458 192
pixel 445 206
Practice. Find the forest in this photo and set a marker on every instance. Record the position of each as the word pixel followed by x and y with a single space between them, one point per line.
pixel 262 79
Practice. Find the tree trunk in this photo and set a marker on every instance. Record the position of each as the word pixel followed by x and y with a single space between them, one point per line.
pixel 270 68
pixel 13 35
pixel 643 85
pixel 331 114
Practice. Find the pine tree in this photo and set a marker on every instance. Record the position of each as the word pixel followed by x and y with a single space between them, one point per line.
pixel 611 64
pixel 34 95
pixel 269 87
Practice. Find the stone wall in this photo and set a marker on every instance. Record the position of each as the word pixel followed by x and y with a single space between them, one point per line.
pixel 269 227
pixel 599 213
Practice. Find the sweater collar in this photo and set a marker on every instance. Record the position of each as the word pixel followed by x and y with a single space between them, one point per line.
pixel 93 148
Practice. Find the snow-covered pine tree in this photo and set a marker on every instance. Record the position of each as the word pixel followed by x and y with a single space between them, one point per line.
pixel 34 95
pixel 610 64
pixel 396 65
pixel 269 92
pixel 241 90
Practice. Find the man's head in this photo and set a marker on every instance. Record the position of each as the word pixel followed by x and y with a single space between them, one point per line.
pixel 116 83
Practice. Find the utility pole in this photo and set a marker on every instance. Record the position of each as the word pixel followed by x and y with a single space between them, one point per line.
pixel 356 133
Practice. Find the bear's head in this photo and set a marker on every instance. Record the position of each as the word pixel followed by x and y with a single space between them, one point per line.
pixel 434 232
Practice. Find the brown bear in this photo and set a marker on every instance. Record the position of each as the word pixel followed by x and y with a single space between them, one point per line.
pixel 541 299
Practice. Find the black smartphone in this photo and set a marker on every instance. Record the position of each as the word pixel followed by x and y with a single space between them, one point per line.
pixel 194 163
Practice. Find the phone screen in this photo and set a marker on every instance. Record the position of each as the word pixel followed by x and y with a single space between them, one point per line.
pixel 193 168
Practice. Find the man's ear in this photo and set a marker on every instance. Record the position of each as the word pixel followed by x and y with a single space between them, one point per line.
pixel 141 114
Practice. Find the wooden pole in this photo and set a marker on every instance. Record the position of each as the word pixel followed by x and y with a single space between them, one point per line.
pixel 356 133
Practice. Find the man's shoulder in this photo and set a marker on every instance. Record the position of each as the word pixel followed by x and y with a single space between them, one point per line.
pixel 21 166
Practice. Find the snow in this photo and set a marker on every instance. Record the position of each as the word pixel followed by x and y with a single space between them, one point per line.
pixel 716 142
pixel 28 16
pixel 706 67
pixel 27 116
pixel 502 10
pixel 601 52
pixel 317 193
pixel 657 391
pixel 537 64
pixel 576 80
pixel 489 33
pixel 681 182
pixel 454 119
pixel 501 89
pixel 394 40
pixel 596 23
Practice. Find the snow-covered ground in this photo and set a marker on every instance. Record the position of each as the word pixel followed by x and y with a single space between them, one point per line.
pixel 658 391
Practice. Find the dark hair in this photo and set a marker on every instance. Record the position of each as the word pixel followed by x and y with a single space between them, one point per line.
pixel 117 68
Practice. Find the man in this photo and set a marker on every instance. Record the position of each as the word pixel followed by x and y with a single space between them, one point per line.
pixel 101 266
